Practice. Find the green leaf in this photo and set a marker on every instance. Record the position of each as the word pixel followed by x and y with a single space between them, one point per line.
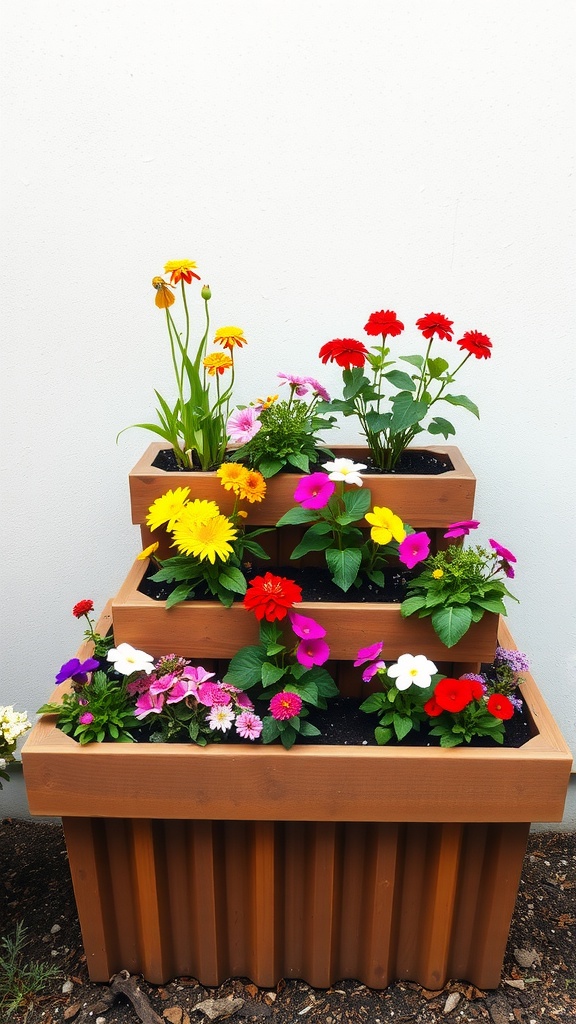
pixel 179 593
pixel 269 467
pixel 307 729
pixel 440 426
pixel 411 605
pixel 436 367
pixel 378 421
pixel 271 673
pixel 270 730
pixel 402 726
pixel 407 412
pixel 299 461
pixel 245 667
pixel 296 516
pixel 344 565
pixel 357 502
pixel 450 624
pixel 232 579
pixel 493 604
pixel 313 540
pixel 463 401
pixel 354 381
pixel 254 548
pixel 401 380
pixel 375 702
pixel 382 735
pixel 414 360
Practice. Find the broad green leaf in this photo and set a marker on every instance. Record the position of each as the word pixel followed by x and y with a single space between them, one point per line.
pixel 179 593
pixel 493 604
pixel 378 421
pixel 344 565
pixel 297 515
pixel 411 605
pixel 374 702
pixel 271 673
pixel 245 668
pixel 402 726
pixel 440 426
pixel 299 461
pixel 401 380
pixel 312 540
pixel 270 730
pixel 354 381
pixel 450 624
pixel 307 690
pixel 406 412
pixel 357 502
pixel 436 367
pixel 232 579
pixel 307 729
pixel 414 360
pixel 463 401
pixel 382 735
pixel 269 467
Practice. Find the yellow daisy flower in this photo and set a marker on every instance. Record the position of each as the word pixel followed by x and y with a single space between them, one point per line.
pixel 252 487
pixel 210 539
pixel 231 475
pixel 438 574
pixel 265 403
pixel 385 525
pixel 147 552
pixel 167 509
pixel 198 511
pixel 228 337
pixel 181 269
pixel 217 363
pixel 164 297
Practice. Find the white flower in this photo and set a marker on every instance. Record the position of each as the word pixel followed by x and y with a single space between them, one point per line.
pixel 346 470
pixel 127 659
pixel 12 724
pixel 221 717
pixel 3 763
pixel 412 669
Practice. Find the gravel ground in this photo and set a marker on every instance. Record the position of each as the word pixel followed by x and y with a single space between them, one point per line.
pixel 538 979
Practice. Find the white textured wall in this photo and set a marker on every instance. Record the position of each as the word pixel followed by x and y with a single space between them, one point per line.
pixel 319 160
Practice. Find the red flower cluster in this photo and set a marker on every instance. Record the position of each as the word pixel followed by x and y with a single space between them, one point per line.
pixel 500 706
pixel 477 344
pixel 384 322
pixel 270 597
pixel 82 608
pixel 455 694
pixel 435 323
pixel 345 352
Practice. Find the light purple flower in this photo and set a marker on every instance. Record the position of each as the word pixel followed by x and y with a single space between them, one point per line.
pixel 306 628
pixel 317 388
pixel 243 425
pixel 372 669
pixel 517 661
pixel 248 726
pixel 462 528
pixel 312 652
pixel 298 384
pixel 314 491
pixel 148 703
pixel 87 718
pixel 414 548
pixel 368 653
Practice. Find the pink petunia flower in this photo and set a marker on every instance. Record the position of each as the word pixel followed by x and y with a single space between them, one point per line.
pixel 210 694
pixel 414 548
pixel 243 425
pixel 314 491
pixel 306 628
pixel 462 528
pixel 148 703
pixel 312 652
pixel 506 557
pixel 87 718
pixel 243 701
pixel 372 669
pixel 195 675
pixel 182 688
pixel 368 653
pixel 248 726
pixel 162 684
pixel 285 705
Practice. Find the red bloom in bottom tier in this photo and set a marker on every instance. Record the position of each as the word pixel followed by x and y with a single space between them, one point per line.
pixel 270 597
pixel 432 708
pixel 500 706
pixel 453 694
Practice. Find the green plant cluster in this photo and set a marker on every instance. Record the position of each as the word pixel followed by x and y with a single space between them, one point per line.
pixel 400 711
pixel 21 981
pixel 111 707
pixel 287 437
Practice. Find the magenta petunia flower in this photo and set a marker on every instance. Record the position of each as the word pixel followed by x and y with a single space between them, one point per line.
pixel 306 628
pixel 242 425
pixel 285 705
pixel 87 718
pixel 372 669
pixel 181 688
pixel 462 528
pixel 248 726
pixel 312 652
pixel 148 703
pixel 414 548
pixel 195 675
pixel 368 653
pixel 506 558
pixel 163 683
pixel 314 491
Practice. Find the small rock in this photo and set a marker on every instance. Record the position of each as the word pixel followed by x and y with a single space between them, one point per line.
pixel 451 1002
pixel 100 1020
pixel 174 1014
pixel 217 1009
pixel 499 1013
pixel 515 983
pixel 55 929
pixel 270 997
pixel 526 957
pixel 67 987
pixel 53 952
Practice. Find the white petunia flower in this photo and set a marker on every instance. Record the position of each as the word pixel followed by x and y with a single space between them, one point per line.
pixel 411 669
pixel 346 470
pixel 127 659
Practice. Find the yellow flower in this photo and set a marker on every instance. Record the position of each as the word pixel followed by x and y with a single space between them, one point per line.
pixel 231 474
pixel 206 540
pixel 167 509
pixel 148 551
pixel 164 297
pixel 438 574
pixel 385 525
pixel 181 269
pixel 252 487
pixel 265 403
pixel 229 336
pixel 198 511
pixel 217 363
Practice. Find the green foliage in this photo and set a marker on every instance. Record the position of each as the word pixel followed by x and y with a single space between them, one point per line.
pixel 109 704
pixel 461 727
pixel 21 982
pixel 399 711
pixel 287 438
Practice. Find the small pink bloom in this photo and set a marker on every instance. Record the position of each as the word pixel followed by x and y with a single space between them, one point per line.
pixel 317 388
pixel 210 694
pixel 196 675
pixel 314 491
pixel 162 684
pixel 149 703
pixel 242 425
pixel 243 701
pixel 180 690
pixel 306 628
pixel 503 552
pixel 368 653
pixel 372 669
pixel 285 705
pixel 312 652
pixel 462 528
pixel 87 718
pixel 414 548
pixel 248 726
pixel 299 384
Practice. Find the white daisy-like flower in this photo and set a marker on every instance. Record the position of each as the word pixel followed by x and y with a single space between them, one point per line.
pixel 221 717
pixel 127 659
pixel 346 470
pixel 412 669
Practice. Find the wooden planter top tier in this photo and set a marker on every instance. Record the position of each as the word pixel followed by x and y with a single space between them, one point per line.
pixel 307 783
pixel 422 501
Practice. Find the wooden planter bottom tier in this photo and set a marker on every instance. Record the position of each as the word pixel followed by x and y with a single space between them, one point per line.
pixel 315 900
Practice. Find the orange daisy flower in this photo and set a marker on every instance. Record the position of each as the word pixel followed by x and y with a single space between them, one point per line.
pixel 252 487
pixel 228 337
pixel 217 363
pixel 181 269
pixel 164 297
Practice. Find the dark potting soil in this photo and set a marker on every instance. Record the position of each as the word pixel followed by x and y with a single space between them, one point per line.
pixel 412 461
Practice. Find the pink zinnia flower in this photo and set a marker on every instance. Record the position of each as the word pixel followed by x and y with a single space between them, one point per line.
pixel 248 726
pixel 317 388
pixel 368 653
pixel 306 628
pixel 211 694
pixel 149 703
pixel 462 528
pixel 299 384
pixel 87 718
pixel 414 548
pixel 312 652
pixel 242 425
pixel 372 669
pixel 285 705
pixel 314 491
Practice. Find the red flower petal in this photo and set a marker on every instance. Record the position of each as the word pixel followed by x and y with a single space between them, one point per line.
pixel 384 322
pixel 477 344
pixel 435 323
pixel 345 352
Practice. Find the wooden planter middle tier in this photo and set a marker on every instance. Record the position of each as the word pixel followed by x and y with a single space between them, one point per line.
pixel 205 629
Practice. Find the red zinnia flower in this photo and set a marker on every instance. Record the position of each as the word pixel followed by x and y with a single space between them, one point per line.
pixel 432 708
pixel 82 608
pixel 285 705
pixel 345 351
pixel 477 344
pixel 453 694
pixel 384 322
pixel 270 597
pixel 435 323
pixel 499 706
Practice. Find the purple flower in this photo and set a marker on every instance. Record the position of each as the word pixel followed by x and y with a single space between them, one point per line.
pixel 317 388
pixel 298 384
pixel 312 652
pixel 372 669
pixel 87 718
pixel 77 670
pixel 368 653
pixel 516 702
pixel 462 528
pixel 306 628
pixel 517 661
pixel 414 548
pixel 242 425
pixel 314 491
pixel 506 557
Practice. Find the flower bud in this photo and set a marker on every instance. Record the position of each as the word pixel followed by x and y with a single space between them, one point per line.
pixel 206 293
